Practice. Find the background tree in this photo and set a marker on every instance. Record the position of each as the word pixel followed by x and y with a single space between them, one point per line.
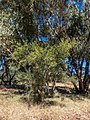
pixel 79 29
pixel 7 42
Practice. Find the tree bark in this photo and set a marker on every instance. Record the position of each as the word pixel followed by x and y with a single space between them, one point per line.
pixel 86 77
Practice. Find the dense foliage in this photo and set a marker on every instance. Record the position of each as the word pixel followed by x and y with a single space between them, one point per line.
pixel 25 25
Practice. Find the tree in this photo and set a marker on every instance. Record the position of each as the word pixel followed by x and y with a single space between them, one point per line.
pixel 78 29
pixel 25 28
pixel 42 63
pixel 39 62
pixel 7 42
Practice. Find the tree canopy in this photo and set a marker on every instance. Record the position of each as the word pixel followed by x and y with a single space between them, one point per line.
pixel 37 36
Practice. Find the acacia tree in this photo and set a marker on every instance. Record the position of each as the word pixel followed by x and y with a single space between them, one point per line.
pixel 41 64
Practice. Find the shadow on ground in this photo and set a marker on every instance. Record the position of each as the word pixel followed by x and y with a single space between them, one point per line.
pixel 60 92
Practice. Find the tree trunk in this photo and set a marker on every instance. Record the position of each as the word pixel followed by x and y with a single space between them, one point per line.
pixel 81 86
pixel 86 78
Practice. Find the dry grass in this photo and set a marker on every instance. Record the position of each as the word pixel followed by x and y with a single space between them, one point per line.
pixel 63 108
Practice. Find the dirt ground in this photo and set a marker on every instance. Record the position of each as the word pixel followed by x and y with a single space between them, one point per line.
pixel 61 107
